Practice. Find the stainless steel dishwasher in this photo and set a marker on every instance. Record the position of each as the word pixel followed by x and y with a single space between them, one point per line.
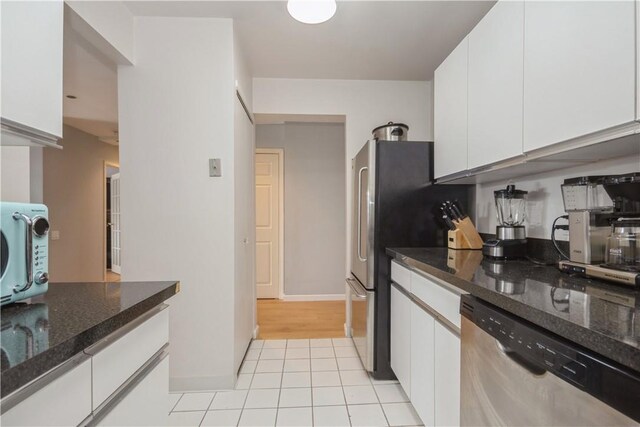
pixel 516 374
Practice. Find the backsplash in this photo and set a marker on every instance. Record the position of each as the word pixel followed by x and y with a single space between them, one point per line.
pixel 545 197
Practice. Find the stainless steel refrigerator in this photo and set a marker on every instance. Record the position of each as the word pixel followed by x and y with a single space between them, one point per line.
pixel 395 204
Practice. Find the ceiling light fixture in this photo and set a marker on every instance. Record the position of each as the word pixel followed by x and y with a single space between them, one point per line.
pixel 311 11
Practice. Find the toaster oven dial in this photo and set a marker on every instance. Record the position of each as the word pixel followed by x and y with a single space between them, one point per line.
pixel 41 278
pixel 40 226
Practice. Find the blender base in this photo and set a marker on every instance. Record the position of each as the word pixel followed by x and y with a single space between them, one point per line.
pixel 505 249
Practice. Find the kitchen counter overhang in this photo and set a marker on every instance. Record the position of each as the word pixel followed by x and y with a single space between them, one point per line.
pixel 52 328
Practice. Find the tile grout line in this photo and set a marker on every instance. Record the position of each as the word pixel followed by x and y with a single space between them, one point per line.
pixel 244 402
pixel 176 404
pixel 275 423
pixel 207 410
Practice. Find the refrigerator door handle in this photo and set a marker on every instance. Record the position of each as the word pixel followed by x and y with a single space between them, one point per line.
pixel 357 289
pixel 362 169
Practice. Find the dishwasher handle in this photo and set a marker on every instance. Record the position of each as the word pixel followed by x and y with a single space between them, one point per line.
pixel 532 368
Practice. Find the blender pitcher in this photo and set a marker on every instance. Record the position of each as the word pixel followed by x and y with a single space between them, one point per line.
pixel 511 206
pixel 511 239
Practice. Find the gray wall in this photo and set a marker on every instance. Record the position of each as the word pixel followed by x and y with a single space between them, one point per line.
pixel 315 229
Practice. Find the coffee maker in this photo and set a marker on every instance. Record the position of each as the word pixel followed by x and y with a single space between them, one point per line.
pixel 604 227
pixel 511 239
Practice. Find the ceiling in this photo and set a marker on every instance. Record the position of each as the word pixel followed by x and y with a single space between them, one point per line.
pixel 368 40
pixel 92 79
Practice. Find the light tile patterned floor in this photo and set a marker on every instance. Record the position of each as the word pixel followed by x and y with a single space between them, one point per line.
pixel 300 382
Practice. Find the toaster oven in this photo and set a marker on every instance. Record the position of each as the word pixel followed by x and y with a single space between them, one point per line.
pixel 24 251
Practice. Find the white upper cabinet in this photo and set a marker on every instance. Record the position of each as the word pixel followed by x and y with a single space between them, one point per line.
pixel 32 64
pixel 450 112
pixel 579 69
pixel 496 49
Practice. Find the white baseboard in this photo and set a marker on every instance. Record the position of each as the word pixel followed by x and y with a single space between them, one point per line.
pixel 256 332
pixel 326 297
pixel 186 384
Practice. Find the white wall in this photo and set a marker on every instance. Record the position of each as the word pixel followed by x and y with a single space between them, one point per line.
pixel 244 206
pixel 315 228
pixel 15 175
pixel 365 103
pixel 545 197
pixel 108 25
pixel 176 110
pixel 74 191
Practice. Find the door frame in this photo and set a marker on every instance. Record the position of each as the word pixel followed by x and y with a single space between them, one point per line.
pixel 280 153
pixel 105 164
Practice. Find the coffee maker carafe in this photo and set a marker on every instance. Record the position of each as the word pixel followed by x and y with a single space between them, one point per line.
pixel 511 239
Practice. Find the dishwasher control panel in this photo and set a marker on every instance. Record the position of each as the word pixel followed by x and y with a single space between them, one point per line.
pixel 537 348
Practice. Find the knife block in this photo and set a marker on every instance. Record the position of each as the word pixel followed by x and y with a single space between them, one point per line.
pixel 465 236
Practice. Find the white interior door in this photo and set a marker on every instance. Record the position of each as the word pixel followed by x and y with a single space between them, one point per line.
pixel 268 217
pixel 115 223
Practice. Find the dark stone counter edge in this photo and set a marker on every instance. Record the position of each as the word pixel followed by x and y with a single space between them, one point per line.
pixel 23 373
pixel 603 345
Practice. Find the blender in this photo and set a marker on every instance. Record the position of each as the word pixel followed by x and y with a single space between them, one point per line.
pixel 511 239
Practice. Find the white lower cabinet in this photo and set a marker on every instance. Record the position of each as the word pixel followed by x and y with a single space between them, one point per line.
pixel 401 338
pixel 65 401
pixel 422 364
pixel 447 376
pixel 145 404
pixel 122 380
pixel 114 364
pixel 425 349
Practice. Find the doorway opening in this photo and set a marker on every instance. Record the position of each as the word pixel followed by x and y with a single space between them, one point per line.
pixel 300 194
pixel 112 222
pixel 74 179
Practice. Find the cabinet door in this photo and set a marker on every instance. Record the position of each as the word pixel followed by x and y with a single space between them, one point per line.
pixel 495 85
pixel 450 113
pixel 113 365
pixel 144 405
pixel 579 69
pixel 64 402
pixel 447 376
pixel 32 64
pixel 422 364
pixel 401 338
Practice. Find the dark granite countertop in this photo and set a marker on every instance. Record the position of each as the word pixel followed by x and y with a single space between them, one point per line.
pixel 601 317
pixel 49 329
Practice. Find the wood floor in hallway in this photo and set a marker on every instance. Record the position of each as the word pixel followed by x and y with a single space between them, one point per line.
pixel 112 277
pixel 300 319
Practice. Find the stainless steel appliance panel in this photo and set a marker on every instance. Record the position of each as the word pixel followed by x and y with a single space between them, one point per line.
pixel 504 387
pixel 362 305
pixel 362 236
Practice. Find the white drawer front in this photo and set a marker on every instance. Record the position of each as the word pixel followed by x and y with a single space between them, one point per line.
pixel 446 302
pixel 64 402
pixel 401 275
pixel 113 365
pixel 146 404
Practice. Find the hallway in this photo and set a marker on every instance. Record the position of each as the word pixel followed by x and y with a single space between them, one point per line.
pixel 300 319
